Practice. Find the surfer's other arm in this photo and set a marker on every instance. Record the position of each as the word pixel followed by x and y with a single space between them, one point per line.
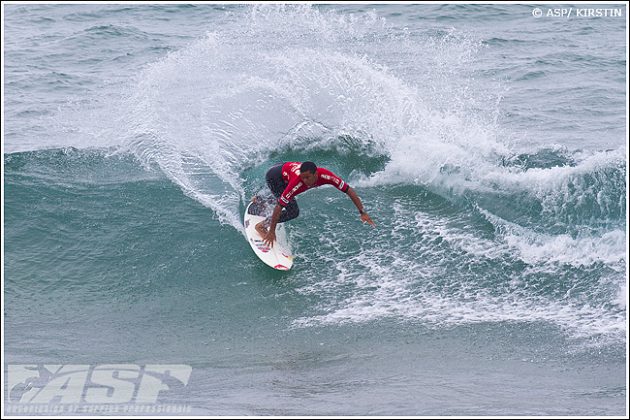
pixel 357 202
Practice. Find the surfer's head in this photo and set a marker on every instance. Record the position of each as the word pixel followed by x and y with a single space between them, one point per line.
pixel 308 173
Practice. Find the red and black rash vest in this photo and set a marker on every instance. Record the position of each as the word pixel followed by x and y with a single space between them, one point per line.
pixel 291 175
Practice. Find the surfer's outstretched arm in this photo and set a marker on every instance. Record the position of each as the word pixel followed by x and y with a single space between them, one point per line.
pixel 357 202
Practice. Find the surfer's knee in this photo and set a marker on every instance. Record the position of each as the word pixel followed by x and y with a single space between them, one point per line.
pixel 293 212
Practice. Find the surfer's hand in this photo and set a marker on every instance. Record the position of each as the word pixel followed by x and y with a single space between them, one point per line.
pixel 365 218
pixel 269 238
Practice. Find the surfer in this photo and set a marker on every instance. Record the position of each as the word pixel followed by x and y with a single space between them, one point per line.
pixel 286 180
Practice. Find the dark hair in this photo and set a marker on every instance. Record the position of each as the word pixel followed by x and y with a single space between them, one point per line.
pixel 308 167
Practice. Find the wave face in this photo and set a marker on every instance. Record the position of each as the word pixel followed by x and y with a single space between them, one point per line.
pixel 491 220
pixel 515 253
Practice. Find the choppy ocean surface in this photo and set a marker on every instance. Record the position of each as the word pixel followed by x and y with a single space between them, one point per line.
pixel 487 144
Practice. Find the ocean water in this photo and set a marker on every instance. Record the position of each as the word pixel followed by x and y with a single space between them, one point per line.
pixel 488 145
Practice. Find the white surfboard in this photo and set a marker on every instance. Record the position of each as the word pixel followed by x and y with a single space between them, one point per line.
pixel 279 256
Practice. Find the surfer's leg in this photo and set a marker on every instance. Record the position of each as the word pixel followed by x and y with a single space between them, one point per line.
pixel 274 179
pixel 261 228
pixel 276 184
pixel 290 212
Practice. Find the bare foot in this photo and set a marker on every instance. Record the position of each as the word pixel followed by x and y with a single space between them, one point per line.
pixel 261 229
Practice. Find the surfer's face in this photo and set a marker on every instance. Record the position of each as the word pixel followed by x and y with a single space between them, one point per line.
pixel 309 178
